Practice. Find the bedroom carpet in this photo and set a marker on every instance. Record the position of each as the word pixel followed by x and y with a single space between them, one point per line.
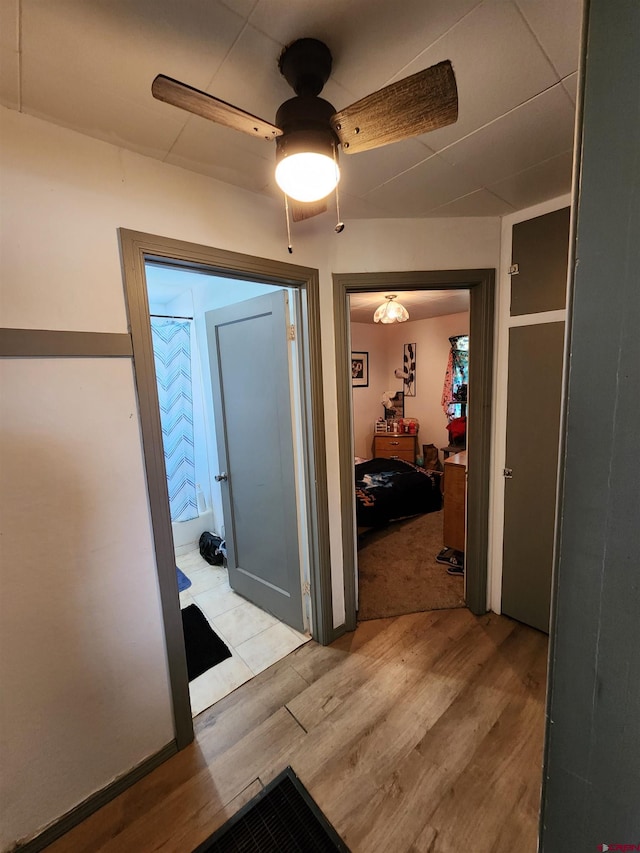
pixel 397 571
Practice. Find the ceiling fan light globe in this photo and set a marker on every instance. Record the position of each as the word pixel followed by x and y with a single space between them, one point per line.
pixel 307 176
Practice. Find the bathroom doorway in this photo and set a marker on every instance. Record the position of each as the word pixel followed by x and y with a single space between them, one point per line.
pixel 231 427
pixel 232 271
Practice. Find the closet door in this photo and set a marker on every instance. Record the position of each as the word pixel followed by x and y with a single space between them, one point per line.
pixel 536 344
pixel 533 425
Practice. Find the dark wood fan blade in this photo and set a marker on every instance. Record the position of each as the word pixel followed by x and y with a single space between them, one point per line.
pixel 306 209
pixel 201 104
pixel 424 101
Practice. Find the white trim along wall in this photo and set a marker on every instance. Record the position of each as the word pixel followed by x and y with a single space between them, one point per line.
pixel 504 322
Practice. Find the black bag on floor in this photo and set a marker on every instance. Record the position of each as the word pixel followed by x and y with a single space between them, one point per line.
pixel 212 549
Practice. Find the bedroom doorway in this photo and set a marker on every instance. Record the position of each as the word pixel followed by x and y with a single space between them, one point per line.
pixel 409 429
pixel 480 286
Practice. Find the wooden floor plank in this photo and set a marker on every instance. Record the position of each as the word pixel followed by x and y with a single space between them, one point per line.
pixel 420 733
pixel 203 824
pixel 415 787
pixel 499 792
pixel 201 796
pixel 239 713
pixel 494 798
pixel 407 646
pixel 219 782
pixel 312 661
pixel 98 829
pixel 425 841
pixel 361 744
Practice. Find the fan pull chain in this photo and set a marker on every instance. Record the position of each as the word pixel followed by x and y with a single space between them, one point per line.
pixel 339 224
pixel 286 210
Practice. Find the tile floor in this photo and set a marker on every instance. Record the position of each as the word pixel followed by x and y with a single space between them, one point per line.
pixel 255 638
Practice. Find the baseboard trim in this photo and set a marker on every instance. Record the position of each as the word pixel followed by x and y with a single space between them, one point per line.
pixel 96 801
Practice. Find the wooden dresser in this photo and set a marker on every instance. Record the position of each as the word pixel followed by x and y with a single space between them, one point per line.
pixel 455 500
pixel 390 445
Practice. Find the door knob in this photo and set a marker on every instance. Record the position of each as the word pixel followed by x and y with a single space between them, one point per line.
pixel 219 477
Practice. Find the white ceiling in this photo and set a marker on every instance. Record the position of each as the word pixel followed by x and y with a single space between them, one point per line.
pixel 89 64
pixel 421 304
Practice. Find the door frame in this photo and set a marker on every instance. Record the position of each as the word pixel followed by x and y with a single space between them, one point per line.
pixel 481 286
pixel 136 249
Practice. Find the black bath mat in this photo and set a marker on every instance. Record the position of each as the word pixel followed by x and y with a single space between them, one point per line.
pixel 203 646
pixel 282 818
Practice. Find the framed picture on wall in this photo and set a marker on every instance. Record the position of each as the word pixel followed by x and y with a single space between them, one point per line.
pixel 409 370
pixel 360 369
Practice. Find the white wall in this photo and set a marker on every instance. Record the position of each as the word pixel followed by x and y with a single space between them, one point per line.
pixel 386 347
pixel 431 338
pixel 64 196
pixel 85 691
pixel 367 400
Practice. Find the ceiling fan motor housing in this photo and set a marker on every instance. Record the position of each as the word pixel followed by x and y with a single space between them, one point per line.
pixel 304 121
pixel 306 65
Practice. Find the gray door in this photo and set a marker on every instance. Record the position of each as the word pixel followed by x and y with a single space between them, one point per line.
pixel 533 424
pixel 248 356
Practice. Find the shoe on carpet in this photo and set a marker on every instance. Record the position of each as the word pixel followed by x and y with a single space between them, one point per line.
pixel 445 556
pixel 456 564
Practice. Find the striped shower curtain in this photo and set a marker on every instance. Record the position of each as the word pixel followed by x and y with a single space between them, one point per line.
pixel 172 354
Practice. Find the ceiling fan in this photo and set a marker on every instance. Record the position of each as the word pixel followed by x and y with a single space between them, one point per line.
pixel 307 126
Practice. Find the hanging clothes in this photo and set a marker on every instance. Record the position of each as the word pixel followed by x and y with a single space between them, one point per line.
pixel 456 378
pixel 172 356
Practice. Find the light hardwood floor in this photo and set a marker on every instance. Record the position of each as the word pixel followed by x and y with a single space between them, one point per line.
pixel 416 734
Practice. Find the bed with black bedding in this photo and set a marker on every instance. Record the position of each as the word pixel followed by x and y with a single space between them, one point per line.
pixel 390 489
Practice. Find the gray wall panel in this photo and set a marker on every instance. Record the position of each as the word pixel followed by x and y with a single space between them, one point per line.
pixel 591 794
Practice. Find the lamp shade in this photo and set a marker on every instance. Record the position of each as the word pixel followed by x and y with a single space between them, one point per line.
pixel 391 311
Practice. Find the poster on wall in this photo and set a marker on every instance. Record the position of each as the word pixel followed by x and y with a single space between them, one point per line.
pixel 409 370
pixel 359 369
